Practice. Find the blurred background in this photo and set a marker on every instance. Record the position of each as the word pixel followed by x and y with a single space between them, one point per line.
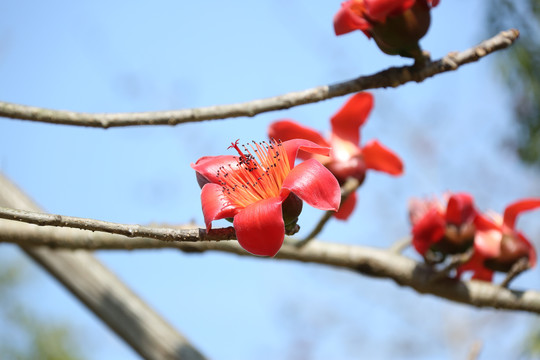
pixel 475 130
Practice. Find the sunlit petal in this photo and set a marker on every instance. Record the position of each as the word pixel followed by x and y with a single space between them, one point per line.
pixel 314 184
pixel 292 146
pixel 208 166
pixel 260 228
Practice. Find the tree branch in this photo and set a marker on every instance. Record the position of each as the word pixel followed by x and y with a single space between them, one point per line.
pixel 365 260
pixel 164 234
pixel 391 77
pixel 102 292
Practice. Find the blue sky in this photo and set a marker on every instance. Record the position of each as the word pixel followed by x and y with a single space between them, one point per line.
pixel 140 56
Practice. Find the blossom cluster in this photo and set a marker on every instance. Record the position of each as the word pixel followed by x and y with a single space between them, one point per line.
pixel 261 190
pixel 454 226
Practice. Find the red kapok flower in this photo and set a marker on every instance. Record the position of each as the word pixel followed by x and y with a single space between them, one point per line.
pixel 347 158
pixel 497 244
pixel 443 230
pixel 262 190
pixel 395 25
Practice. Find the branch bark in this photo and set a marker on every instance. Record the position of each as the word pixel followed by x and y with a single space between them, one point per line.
pixel 391 77
pixel 365 260
pixel 103 293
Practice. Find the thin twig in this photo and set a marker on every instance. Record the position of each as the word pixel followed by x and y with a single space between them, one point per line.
pixel 455 261
pixel 519 266
pixel 399 246
pixel 365 260
pixel 164 234
pixel 391 77
pixel 350 186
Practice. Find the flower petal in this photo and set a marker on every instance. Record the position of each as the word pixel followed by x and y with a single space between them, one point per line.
pixel 346 20
pixel 260 228
pixel 428 230
pixel 284 130
pixel 347 121
pixel 215 204
pixel 208 166
pixel 460 209
pixel 314 184
pixel 292 147
pixel 488 243
pixel 513 210
pixel 379 157
pixel 476 264
pixel 347 207
pixel 378 10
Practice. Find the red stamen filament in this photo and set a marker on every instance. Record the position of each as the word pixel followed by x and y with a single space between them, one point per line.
pixel 254 178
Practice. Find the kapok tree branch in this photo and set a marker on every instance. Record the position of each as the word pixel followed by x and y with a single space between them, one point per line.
pixel 164 234
pixel 391 77
pixel 365 260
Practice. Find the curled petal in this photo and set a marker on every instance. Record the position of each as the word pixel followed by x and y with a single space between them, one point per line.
pixel 208 166
pixel 260 228
pixel 378 10
pixel 513 210
pixel 292 146
pixel 284 130
pixel 378 157
pixel 460 209
pixel 347 121
pixel 428 231
pixel 347 207
pixel 215 204
pixel 314 184
pixel 347 20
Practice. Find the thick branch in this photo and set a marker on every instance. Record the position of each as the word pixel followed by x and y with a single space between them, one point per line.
pixel 102 292
pixel 392 77
pixel 369 261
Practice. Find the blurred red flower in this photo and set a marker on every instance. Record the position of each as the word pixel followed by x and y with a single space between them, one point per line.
pixel 347 158
pixel 497 243
pixel 395 25
pixel 443 228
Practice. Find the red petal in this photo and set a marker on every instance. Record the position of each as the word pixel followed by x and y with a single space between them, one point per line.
pixel 284 130
pixel 378 10
pixel 208 166
pixel 460 209
pixel 428 231
pixel 513 210
pixel 379 157
pixel 433 3
pixel 292 147
pixel 260 228
pixel 488 243
pixel 347 121
pixel 215 204
pixel 314 184
pixel 476 264
pixel 346 20
pixel 346 208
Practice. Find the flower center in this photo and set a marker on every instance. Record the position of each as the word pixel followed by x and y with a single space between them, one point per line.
pixel 254 177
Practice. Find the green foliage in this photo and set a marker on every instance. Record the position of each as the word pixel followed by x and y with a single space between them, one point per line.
pixel 23 335
pixel 520 66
